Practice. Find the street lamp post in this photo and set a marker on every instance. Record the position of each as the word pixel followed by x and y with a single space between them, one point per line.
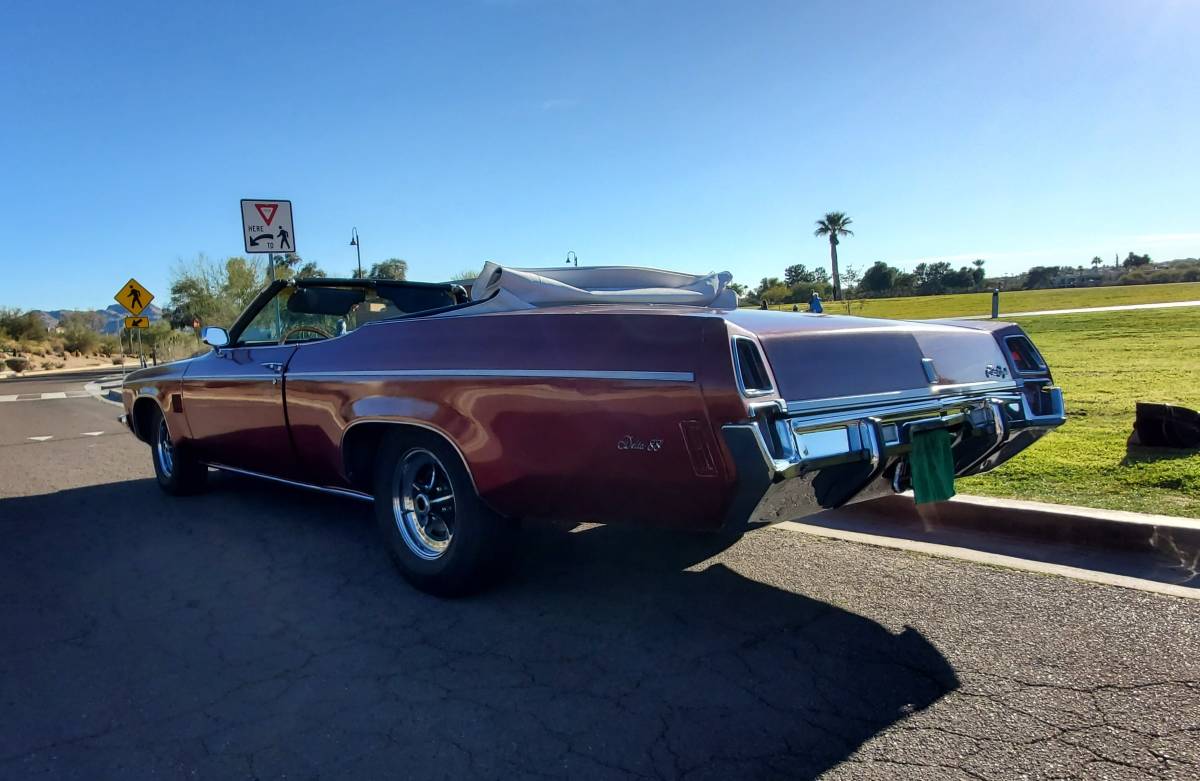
pixel 572 258
pixel 357 249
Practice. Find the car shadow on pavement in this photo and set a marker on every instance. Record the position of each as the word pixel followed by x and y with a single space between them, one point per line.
pixel 261 631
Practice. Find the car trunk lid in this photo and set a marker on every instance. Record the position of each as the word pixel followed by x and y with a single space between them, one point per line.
pixel 829 356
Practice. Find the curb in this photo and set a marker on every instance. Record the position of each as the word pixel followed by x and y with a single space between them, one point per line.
pixel 1162 535
pixel 107 392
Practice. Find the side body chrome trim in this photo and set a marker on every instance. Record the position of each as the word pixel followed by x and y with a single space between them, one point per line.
pixel 564 374
pixel 322 489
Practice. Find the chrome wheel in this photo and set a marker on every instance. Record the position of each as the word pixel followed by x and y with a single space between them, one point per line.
pixel 164 451
pixel 423 504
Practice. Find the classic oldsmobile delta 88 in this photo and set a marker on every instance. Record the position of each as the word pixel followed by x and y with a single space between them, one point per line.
pixel 590 394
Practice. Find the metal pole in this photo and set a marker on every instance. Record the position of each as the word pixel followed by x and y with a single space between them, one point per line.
pixel 357 250
pixel 278 314
pixel 995 302
pixel 122 351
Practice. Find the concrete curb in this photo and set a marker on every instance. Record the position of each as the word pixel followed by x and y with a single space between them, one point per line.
pixel 11 375
pixel 1177 539
pixel 107 392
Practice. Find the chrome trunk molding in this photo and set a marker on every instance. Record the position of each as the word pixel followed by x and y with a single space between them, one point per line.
pixel 931 392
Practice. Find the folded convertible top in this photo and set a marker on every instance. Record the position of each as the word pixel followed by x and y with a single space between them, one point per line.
pixel 512 288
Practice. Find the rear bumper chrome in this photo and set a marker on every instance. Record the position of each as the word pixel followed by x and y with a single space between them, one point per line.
pixel 799 464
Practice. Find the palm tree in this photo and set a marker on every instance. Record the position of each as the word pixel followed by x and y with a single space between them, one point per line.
pixel 834 224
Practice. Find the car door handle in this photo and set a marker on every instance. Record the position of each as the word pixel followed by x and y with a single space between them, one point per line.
pixel 275 367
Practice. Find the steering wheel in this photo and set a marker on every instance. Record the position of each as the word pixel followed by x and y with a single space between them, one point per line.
pixel 296 329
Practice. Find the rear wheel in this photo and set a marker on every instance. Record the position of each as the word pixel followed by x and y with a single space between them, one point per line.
pixel 441 535
pixel 176 471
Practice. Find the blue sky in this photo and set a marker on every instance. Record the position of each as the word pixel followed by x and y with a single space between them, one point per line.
pixel 696 136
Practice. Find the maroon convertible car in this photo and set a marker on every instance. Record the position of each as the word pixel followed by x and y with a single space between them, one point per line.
pixel 590 394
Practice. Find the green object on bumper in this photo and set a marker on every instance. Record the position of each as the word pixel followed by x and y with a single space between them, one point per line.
pixel 932 465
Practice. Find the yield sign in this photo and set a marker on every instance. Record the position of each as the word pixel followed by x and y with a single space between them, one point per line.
pixel 267 211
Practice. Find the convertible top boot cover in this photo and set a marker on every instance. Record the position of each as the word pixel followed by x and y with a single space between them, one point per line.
pixel 530 288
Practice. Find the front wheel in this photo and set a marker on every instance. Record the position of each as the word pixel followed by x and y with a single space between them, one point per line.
pixel 174 468
pixel 441 535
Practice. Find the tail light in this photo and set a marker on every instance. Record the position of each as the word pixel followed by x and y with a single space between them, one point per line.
pixel 750 368
pixel 1024 356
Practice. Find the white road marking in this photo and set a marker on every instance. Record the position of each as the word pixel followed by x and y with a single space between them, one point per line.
pixel 46 396
pixel 994 559
pixel 91 433
pixel 41 439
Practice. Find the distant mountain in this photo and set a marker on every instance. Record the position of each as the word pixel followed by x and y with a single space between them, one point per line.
pixel 111 319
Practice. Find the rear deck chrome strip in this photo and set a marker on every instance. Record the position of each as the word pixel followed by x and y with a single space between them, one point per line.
pixel 335 491
pixel 895 397
pixel 565 374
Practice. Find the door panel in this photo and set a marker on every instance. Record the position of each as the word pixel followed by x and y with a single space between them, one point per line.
pixel 233 400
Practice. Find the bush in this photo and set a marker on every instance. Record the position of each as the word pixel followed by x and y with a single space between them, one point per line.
pixel 109 345
pixel 17 364
pixel 81 340
pixel 118 360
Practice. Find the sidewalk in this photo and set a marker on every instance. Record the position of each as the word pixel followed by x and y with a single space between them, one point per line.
pixel 1081 310
pixel 1159 548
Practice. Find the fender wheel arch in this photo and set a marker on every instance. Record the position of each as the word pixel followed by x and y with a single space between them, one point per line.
pixel 361 442
pixel 141 413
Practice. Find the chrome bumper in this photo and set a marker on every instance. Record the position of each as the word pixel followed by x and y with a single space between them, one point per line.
pixel 855 447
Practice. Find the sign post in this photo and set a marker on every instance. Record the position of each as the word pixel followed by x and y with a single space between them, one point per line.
pixel 267 228
pixel 135 299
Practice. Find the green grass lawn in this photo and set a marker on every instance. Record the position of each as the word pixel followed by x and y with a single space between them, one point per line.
pixel 1105 362
pixel 924 307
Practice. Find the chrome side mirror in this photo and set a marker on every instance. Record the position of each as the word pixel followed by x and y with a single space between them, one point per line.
pixel 214 336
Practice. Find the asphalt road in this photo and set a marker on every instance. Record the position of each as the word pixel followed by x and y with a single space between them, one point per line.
pixel 261 632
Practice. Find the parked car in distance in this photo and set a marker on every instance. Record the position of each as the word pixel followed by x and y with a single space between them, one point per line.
pixel 609 394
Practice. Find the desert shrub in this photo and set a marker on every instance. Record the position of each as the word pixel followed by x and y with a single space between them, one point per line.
pixel 109 345
pixel 17 364
pixel 81 340
pixel 118 360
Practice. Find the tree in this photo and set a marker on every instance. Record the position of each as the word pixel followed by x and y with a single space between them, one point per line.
pixel 18 325
pixel 467 275
pixel 977 274
pixel 738 288
pixel 794 275
pixel 1133 261
pixel 392 268
pixel 214 293
pixel 929 278
pixel 1097 262
pixel 1041 276
pixel 880 277
pixel 834 225
pixel 310 270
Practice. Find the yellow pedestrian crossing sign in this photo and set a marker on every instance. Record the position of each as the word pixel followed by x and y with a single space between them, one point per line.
pixel 134 297
pixel 137 322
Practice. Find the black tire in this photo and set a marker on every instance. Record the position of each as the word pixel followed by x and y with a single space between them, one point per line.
pixel 178 473
pixel 440 534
